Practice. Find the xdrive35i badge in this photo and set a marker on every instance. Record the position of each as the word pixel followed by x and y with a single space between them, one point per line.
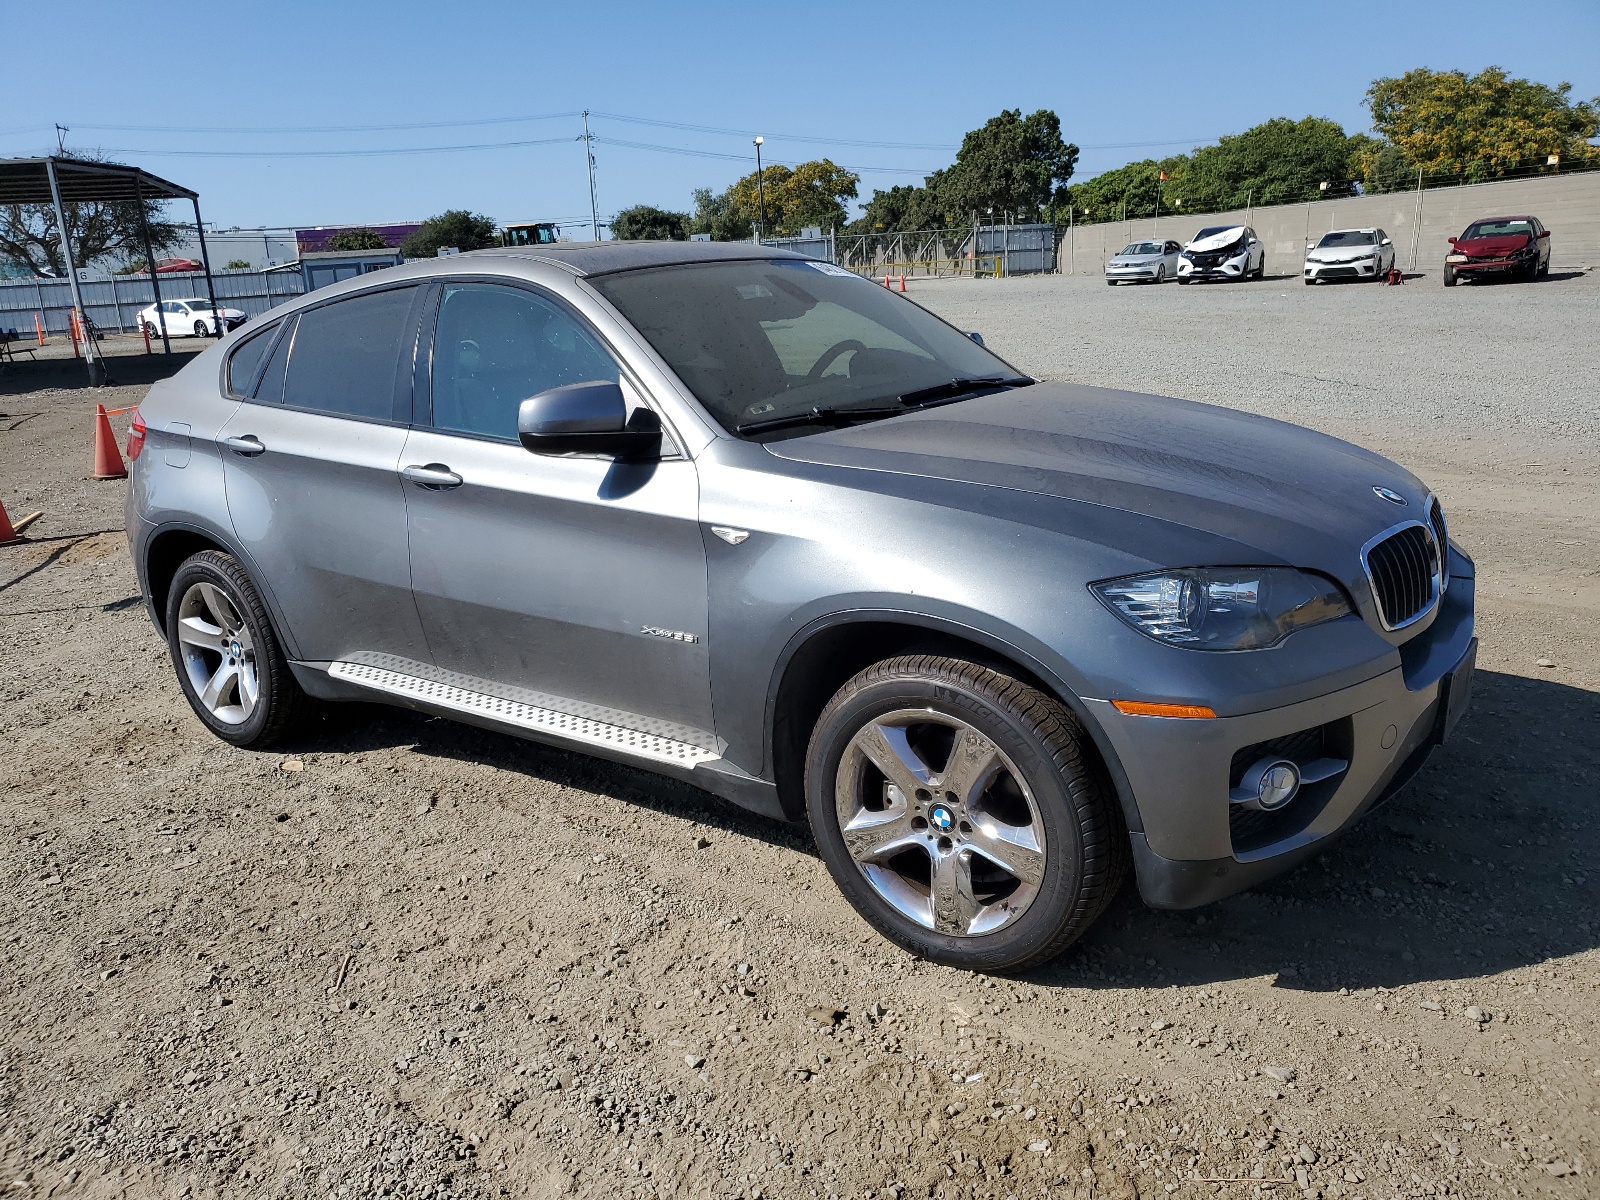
pixel 1389 494
pixel 672 635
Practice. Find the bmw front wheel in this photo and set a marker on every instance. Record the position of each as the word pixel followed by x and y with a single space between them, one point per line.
pixel 963 813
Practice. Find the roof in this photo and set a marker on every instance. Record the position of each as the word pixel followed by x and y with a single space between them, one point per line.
pixel 27 181
pixel 602 258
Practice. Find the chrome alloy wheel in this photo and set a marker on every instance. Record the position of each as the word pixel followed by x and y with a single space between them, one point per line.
pixel 940 822
pixel 218 654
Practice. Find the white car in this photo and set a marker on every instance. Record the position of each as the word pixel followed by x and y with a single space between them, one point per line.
pixel 1223 252
pixel 1349 254
pixel 186 317
pixel 1144 262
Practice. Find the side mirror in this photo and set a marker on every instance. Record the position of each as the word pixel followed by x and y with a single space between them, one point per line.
pixel 976 336
pixel 1387 242
pixel 1452 241
pixel 1544 233
pixel 587 419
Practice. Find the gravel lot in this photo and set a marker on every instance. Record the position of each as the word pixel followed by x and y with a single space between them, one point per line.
pixel 410 958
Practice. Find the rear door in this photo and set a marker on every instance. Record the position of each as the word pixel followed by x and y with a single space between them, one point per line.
pixel 311 464
pixel 572 584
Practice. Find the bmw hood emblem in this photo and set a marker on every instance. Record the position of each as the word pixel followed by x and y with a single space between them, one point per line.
pixel 1389 494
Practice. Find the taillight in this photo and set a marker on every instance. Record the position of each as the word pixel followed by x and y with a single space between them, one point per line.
pixel 135 435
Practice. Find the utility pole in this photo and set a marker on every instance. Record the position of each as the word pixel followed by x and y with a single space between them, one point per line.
pixel 588 151
pixel 761 191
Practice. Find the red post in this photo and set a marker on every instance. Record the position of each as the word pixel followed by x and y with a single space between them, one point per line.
pixel 72 330
pixel 144 328
pixel 38 328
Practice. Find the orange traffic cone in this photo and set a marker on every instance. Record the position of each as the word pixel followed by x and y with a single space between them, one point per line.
pixel 107 458
pixel 10 533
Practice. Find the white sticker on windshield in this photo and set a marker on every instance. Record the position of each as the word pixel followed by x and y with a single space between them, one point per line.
pixel 827 268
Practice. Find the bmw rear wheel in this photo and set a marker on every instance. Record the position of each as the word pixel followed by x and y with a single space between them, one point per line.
pixel 231 668
pixel 963 813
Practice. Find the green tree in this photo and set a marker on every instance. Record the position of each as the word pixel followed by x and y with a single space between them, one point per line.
pixel 1484 125
pixel 905 209
pixel 31 242
pixel 812 193
pixel 357 239
pixel 237 264
pixel 1012 164
pixel 1277 162
pixel 1380 165
pixel 1129 191
pixel 644 223
pixel 457 227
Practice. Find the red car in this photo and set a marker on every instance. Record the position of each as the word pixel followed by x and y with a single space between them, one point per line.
pixel 1515 246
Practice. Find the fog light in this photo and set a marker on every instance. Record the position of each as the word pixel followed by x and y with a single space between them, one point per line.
pixel 1268 785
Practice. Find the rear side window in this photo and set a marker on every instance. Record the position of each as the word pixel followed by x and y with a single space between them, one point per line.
pixel 346 356
pixel 246 360
pixel 270 389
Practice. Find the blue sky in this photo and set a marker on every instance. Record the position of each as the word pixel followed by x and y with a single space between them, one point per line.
pixel 911 78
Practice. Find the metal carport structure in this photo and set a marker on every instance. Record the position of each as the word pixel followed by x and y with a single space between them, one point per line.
pixel 62 181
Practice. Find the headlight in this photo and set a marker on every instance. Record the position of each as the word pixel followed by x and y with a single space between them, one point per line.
pixel 1455 258
pixel 1223 608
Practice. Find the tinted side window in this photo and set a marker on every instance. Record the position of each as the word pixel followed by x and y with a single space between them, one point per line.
pixel 270 389
pixel 495 346
pixel 346 355
pixel 245 359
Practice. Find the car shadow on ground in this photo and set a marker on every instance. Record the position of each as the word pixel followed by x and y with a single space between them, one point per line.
pixel 1484 863
pixel 354 728
pixel 71 374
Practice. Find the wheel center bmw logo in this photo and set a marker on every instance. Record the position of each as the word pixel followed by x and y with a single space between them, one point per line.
pixel 940 818
pixel 1389 494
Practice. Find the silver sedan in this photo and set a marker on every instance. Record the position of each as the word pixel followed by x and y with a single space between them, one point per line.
pixel 1144 262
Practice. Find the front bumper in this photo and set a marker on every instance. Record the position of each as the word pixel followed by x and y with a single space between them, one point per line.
pixel 1193 848
pixel 1362 269
pixel 1232 269
pixel 1133 274
pixel 1490 266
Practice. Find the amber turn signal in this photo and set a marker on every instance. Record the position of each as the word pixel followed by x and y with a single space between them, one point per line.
pixel 1139 708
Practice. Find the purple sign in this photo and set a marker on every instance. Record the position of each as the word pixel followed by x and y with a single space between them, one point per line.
pixel 311 241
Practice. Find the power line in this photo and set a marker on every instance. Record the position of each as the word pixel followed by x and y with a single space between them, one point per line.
pixel 746 158
pixel 351 153
pixel 785 137
pixel 324 128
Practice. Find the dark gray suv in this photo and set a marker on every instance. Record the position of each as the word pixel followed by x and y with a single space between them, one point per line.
pixel 751 521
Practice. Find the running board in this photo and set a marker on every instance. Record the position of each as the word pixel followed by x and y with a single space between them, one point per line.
pixel 563 726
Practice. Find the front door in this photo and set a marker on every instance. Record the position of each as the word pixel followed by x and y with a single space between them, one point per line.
pixel 311 466
pixel 571 584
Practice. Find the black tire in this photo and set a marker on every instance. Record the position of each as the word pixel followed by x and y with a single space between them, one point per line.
pixel 200 329
pixel 1449 277
pixel 1183 281
pixel 1261 270
pixel 1111 283
pixel 1086 852
pixel 151 331
pixel 281 705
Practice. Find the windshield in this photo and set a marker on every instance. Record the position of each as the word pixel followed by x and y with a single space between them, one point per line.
pixel 761 340
pixel 1489 229
pixel 1213 230
pixel 1143 248
pixel 1347 237
pixel 202 305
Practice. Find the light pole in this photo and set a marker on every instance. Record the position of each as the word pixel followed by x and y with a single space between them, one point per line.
pixel 761 191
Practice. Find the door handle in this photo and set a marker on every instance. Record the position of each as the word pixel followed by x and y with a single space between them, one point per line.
pixel 434 476
pixel 249 445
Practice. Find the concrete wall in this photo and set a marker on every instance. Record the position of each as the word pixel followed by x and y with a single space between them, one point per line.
pixel 1568 205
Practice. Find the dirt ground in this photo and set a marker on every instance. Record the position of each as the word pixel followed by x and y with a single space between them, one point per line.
pixel 410 958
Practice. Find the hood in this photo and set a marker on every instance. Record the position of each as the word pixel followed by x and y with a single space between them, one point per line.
pixel 1134 260
pixel 1278 492
pixel 1493 247
pixel 1217 241
pixel 1336 254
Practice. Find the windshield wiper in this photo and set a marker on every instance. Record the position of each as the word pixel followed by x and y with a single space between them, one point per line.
pixel 821 414
pixel 943 393
pixel 960 387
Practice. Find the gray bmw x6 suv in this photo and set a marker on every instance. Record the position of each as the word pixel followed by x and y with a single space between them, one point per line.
pixel 745 519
